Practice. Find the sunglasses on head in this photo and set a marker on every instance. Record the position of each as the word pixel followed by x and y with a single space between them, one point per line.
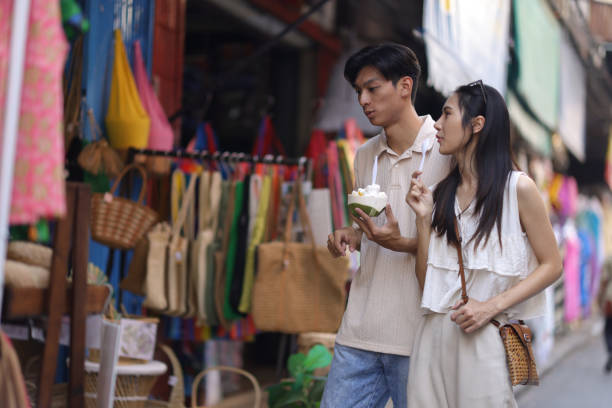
pixel 482 89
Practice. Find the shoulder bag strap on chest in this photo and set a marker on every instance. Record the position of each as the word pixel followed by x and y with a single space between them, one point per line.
pixel 464 295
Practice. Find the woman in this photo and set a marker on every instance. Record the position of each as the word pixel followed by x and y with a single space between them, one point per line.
pixel 509 253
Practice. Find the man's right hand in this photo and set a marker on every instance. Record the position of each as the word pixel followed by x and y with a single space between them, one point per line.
pixel 341 238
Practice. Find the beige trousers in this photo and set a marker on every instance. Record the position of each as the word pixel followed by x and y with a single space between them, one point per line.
pixel 452 369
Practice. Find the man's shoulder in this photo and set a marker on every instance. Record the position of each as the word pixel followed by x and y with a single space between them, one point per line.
pixel 370 144
pixel 369 147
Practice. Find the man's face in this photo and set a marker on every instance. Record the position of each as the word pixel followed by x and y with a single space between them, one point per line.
pixel 380 99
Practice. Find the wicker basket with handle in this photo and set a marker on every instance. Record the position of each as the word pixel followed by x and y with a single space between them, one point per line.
pixel 200 376
pixel 177 395
pixel 120 222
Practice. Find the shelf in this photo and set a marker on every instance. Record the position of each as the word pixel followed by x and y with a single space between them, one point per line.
pixel 25 302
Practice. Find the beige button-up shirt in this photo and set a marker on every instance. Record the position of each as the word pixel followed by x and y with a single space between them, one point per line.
pixel 383 307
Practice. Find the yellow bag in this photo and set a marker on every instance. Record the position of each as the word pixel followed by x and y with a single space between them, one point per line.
pixel 126 121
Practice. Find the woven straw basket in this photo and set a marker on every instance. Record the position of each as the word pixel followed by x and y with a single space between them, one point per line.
pixel 30 253
pixel 119 222
pixel 132 387
pixel 519 356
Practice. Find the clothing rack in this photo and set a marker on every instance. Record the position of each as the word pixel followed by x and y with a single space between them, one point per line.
pixel 230 157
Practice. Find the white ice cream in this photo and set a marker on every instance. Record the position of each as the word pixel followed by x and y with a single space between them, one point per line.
pixel 370 196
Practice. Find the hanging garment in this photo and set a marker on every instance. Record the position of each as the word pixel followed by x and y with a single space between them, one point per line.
pixel 273 209
pixel 254 192
pixel 38 181
pixel 335 186
pixel 221 254
pixel 242 231
pixel 259 231
pixel 571 273
pixel 209 200
pixel 267 142
pixel 230 261
pixel 210 301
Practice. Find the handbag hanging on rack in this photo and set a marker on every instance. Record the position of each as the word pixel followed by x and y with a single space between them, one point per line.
pixel 299 286
pixel 120 222
pixel 178 265
pixel 516 337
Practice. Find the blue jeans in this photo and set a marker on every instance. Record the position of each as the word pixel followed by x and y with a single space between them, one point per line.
pixel 365 379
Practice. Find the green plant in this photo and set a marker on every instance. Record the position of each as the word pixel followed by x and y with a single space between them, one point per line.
pixel 303 389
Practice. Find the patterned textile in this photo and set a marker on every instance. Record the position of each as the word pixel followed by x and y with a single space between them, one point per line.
pixel 38 186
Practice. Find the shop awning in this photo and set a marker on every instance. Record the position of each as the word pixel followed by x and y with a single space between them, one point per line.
pixel 466 40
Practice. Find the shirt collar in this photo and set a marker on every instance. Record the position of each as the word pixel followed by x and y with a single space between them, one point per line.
pixel 425 132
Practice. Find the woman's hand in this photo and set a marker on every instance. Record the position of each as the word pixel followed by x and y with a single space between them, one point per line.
pixel 419 197
pixel 473 315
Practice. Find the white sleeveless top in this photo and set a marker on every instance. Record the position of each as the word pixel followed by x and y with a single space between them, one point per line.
pixel 490 270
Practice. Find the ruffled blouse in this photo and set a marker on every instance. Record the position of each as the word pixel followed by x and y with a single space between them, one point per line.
pixel 490 269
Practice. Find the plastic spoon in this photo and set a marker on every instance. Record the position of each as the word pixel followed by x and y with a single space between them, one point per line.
pixel 374 170
pixel 425 146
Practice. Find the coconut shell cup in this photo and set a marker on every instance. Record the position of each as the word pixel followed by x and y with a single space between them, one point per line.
pixel 372 206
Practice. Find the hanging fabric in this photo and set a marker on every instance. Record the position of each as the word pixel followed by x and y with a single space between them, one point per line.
pixel 208 209
pixel 72 92
pixel 242 231
pixel 335 186
pixel 267 142
pixel 161 136
pixel 221 254
pixel 38 180
pixel 230 261
pixel 259 230
pixel 126 121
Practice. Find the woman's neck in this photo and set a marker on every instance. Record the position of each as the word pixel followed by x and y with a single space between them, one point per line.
pixel 467 169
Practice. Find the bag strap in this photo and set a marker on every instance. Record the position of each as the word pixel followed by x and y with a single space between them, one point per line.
pixel 464 295
pixel 304 218
pixel 125 170
pixel 185 204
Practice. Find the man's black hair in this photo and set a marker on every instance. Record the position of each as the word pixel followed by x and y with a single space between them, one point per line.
pixel 392 60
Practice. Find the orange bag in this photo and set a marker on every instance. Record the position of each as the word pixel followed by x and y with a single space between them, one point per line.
pixel 126 121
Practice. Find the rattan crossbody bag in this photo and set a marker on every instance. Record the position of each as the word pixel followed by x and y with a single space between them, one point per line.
pixel 516 338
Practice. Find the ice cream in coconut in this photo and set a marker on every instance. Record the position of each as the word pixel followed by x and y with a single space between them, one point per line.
pixel 371 200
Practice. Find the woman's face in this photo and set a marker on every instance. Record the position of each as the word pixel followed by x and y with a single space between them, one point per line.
pixel 451 135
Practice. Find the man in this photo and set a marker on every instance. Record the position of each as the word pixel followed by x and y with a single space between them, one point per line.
pixel 373 345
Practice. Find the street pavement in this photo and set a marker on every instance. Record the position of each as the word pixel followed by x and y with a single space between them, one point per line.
pixel 578 380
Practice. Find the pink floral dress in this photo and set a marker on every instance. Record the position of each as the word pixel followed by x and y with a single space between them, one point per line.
pixel 38 184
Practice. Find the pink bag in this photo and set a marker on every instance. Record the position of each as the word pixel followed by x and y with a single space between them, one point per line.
pixel 161 136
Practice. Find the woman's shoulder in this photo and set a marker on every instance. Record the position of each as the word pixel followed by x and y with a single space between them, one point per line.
pixel 526 188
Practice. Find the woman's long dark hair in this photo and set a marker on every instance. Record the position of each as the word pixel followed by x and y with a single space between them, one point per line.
pixel 493 162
